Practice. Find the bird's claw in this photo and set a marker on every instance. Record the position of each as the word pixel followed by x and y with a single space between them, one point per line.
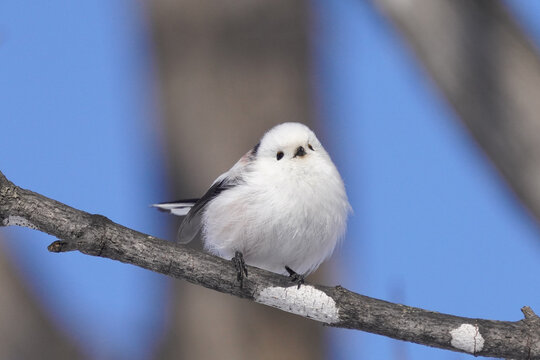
pixel 295 277
pixel 240 266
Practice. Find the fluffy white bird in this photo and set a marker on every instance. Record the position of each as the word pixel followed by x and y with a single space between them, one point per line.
pixel 282 207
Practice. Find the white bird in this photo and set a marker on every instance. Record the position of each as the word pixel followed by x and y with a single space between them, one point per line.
pixel 282 207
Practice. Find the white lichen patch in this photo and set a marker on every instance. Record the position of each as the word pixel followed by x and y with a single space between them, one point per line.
pixel 306 301
pixel 467 337
pixel 18 221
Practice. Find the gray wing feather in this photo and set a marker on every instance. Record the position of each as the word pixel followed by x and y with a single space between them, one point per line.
pixel 192 223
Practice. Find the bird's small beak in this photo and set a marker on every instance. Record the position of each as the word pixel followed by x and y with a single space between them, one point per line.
pixel 300 151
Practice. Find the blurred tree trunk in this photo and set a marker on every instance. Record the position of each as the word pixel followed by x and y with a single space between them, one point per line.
pixel 25 331
pixel 228 71
pixel 489 72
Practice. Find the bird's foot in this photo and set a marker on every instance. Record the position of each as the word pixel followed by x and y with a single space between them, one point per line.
pixel 240 266
pixel 295 277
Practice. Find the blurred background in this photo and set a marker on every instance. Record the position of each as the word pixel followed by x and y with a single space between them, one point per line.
pixel 428 108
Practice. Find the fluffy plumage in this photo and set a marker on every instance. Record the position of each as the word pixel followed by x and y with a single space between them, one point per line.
pixel 282 204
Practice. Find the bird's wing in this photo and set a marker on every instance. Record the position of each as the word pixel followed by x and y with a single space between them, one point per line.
pixel 193 209
pixel 192 223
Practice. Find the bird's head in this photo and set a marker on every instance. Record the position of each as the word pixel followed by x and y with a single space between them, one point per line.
pixel 289 143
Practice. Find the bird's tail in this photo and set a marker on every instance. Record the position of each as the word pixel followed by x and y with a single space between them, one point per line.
pixel 178 207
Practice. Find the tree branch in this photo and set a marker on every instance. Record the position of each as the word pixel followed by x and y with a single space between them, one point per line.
pixel 334 306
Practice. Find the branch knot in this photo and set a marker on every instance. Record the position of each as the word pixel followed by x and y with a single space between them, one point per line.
pixel 532 329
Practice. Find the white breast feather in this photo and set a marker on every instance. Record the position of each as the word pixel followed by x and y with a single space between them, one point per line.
pixel 276 219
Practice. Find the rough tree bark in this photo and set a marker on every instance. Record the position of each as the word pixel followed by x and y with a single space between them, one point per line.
pixel 489 72
pixel 335 306
pixel 228 70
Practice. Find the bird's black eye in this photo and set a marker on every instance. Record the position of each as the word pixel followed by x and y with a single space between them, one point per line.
pixel 279 155
pixel 310 147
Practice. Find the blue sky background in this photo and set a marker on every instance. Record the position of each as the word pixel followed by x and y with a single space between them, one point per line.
pixel 434 225
pixel 78 125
